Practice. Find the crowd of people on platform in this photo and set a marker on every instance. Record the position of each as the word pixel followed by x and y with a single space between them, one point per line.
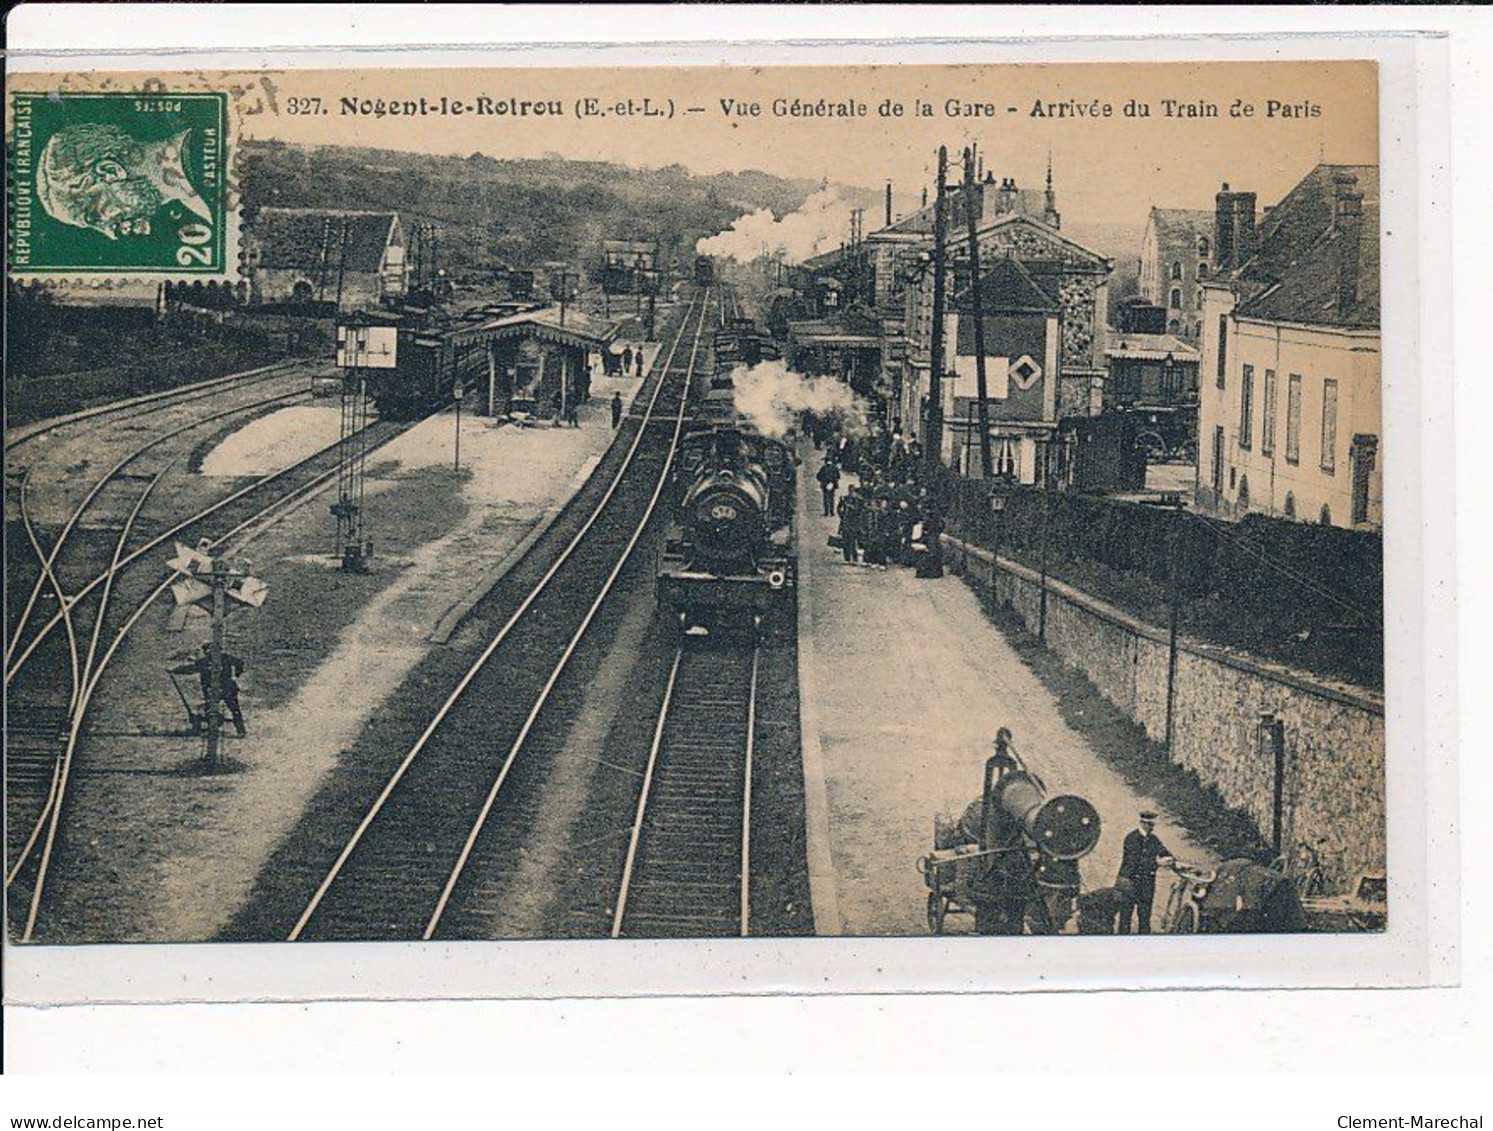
pixel 887 516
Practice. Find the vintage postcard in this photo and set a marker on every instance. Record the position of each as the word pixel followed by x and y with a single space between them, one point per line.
pixel 468 504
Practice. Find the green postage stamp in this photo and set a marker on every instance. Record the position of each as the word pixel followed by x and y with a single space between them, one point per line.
pixel 122 183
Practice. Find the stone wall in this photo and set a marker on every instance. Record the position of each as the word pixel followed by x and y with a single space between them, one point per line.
pixel 1333 787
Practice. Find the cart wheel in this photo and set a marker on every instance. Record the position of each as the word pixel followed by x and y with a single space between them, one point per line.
pixel 936 910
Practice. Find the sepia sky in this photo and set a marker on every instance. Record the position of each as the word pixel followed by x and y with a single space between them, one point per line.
pixel 1107 168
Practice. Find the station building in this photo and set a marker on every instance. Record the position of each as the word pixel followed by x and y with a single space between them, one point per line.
pixel 629 266
pixel 537 358
pixel 353 260
pixel 1045 328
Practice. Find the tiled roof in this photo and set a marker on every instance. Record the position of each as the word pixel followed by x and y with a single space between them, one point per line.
pixel 306 239
pixel 1294 276
pixel 1031 203
pixel 830 332
pixel 1149 347
pixel 579 330
pixel 1006 286
pixel 824 261
pixel 630 247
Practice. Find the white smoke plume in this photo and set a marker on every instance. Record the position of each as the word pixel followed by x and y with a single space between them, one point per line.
pixel 773 397
pixel 819 226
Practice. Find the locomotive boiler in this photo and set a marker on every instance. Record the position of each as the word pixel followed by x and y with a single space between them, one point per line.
pixel 1012 858
pixel 729 558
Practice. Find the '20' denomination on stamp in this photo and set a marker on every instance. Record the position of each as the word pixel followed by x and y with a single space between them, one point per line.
pixel 131 184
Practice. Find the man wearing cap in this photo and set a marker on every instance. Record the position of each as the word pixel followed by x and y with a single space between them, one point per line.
pixel 1142 853
pixel 228 689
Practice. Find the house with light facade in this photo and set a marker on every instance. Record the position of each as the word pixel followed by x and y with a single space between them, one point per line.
pixel 1289 385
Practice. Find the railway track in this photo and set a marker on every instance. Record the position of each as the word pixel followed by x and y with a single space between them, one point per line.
pixel 49 723
pixel 688 867
pixel 121 479
pixel 402 872
pixel 135 408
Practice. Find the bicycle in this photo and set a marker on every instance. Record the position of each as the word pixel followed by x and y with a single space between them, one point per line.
pixel 1183 914
pixel 1305 869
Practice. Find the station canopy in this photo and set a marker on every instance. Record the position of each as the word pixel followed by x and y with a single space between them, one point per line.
pixel 580 331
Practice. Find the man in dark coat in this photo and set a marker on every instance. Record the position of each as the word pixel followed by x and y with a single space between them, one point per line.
pixel 1143 851
pixel 850 524
pixel 228 675
pixel 616 409
pixel 829 483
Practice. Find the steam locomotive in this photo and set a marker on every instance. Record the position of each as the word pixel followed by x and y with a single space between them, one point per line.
pixel 704 271
pixel 730 556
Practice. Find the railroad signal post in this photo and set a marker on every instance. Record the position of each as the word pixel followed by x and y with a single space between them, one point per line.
pixel 362 345
pixel 211 583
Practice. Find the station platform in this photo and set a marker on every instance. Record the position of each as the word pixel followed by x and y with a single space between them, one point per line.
pixel 903 684
pixel 325 652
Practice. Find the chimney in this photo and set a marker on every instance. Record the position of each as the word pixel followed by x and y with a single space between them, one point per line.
pixel 1007 197
pixel 1233 227
pixel 1347 231
pixel 888 204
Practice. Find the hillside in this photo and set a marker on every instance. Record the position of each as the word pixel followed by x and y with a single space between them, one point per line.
pixel 518 212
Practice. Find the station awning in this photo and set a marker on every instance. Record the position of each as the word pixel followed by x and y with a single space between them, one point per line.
pixel 828 334
pixel 580 331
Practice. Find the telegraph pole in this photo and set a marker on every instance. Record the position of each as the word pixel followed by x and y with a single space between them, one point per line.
pixel 933 426
pixel 1174 621
pixel 971 212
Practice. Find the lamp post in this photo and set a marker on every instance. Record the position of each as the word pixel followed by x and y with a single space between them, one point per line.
pixel 997 506
pixel 457 394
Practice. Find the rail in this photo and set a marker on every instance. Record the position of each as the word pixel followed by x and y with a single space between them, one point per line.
pixel 381 809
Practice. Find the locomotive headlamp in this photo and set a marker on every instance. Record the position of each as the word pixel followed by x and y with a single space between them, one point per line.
pixel 777 579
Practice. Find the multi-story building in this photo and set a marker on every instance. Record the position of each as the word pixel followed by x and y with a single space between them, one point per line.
pixel 1176 257
pixel 1289 398
pixel 1021 322
pixel 1039 285
pixel 899 254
